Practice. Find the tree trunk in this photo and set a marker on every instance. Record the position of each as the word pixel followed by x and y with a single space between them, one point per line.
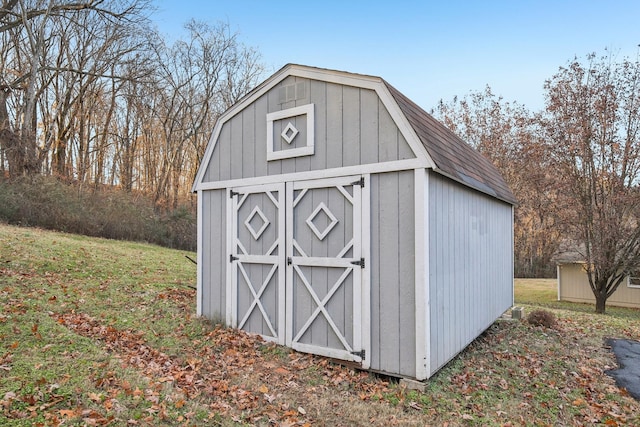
pixel 601 301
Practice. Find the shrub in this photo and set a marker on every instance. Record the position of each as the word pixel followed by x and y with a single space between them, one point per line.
pixel 107 212
pixel 542 318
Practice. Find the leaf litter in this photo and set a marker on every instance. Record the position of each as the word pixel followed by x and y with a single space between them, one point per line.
pixel 514 374
pixel 230 370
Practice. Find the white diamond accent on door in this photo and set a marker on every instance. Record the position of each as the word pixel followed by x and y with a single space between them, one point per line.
pixel 265 223
pixel 289 133
pixel 333 221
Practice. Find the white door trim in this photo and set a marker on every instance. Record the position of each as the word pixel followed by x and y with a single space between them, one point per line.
pixel 361 294
pixel 236 258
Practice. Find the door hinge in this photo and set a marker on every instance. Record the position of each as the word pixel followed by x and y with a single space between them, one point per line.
pixel 233 193
pixel 233 258
pixel 289 261
pixel 361 354
pixel 359 182
pixel 359 262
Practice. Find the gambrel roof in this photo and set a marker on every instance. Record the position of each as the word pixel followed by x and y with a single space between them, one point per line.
pixel 434 145
pixel 451 155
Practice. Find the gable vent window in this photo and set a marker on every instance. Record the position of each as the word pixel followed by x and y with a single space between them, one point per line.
pixel 292 92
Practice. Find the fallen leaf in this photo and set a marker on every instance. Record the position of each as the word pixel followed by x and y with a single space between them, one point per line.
pixel 281 371
pixel 96 397
pixel 414 405
pixel 68 413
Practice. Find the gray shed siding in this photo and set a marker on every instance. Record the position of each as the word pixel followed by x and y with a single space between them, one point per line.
pixel 352 127
pixel 214 252
pixel 393 273
pixel 470 265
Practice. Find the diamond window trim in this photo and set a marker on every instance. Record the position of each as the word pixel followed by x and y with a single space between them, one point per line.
pixel 289 133
pixel 333 221
pixel 265 222
pixel 305 148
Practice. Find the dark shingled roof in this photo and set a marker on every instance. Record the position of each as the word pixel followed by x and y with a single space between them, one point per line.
pixel 452 156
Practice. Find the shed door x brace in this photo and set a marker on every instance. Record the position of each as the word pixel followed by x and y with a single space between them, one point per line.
pixel 295 251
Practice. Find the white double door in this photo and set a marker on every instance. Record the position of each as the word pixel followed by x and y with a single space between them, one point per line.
pixel 297 265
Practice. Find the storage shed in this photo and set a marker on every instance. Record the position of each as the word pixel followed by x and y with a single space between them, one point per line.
pixel 337 217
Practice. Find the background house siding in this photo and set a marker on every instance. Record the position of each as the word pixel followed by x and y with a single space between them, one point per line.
pixel 574 287
pixel 393 273
pixel 470 265
pixel 352 127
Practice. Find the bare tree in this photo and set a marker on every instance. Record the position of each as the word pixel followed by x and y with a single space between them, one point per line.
pixel 593 123
pixel 510 136
pixel 38 34
pixel 199 78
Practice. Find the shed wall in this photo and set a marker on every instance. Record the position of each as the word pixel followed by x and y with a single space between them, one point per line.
pixel 470 265
pixel 352 127
pixel 574 287
pixel 214 256
pixel 392 273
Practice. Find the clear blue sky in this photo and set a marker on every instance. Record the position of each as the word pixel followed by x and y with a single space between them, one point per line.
pixel 429 50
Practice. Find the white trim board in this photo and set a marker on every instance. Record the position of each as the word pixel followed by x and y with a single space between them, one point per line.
pixel 422 307
pixel 396 165
pixel 366 272
pixel 199 253
pixel 230 292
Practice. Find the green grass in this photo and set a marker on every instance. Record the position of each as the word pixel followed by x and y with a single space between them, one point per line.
pixel 103 332
pixel 544 293
pixel 535 291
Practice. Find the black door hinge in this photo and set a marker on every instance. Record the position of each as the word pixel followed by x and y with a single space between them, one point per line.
pixel 233 258
pixel 233 193
pixel 359 182
pixel 360 262
pixel 361 354
pixel 289 261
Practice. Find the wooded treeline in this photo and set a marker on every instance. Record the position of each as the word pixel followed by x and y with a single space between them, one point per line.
pixel 92 93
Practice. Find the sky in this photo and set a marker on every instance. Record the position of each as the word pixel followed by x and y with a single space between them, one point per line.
pixel 429 50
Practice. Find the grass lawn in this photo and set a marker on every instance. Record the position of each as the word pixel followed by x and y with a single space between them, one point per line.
pixel 100 332
pixel 536 291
